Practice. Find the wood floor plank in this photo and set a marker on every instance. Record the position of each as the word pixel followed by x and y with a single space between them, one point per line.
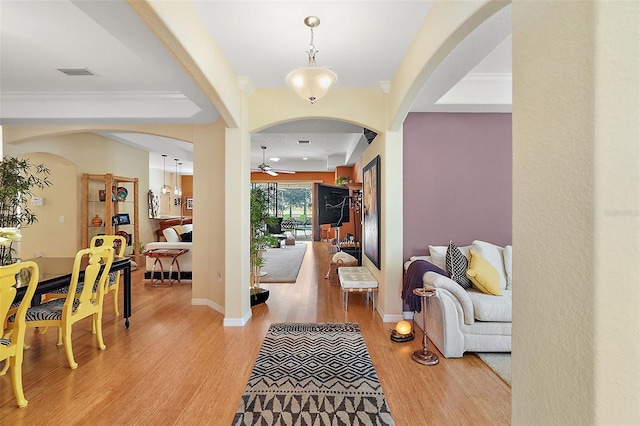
pixel 178 365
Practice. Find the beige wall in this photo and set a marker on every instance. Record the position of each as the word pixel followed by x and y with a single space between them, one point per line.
pixel 85 153
pixel 576 213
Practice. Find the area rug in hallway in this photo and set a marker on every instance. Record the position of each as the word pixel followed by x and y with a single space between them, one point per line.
pixel 313 374
pixel 283 264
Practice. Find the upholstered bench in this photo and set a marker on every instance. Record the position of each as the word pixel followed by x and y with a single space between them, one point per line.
pixel 357 279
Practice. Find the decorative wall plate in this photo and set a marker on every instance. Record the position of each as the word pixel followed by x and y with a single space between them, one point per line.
pixel 122 193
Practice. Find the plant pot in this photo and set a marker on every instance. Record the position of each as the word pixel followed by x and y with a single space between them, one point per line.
pixel 258 296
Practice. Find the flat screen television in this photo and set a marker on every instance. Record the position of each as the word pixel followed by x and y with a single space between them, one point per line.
pixel 332 204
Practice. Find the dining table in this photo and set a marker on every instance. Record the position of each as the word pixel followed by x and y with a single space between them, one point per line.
pixel 55 273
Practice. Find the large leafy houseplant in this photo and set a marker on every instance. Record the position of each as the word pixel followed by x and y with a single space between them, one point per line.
pixel 18 177
pixel 260 238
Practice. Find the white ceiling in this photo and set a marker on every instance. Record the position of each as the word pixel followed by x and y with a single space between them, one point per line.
pixel 138 81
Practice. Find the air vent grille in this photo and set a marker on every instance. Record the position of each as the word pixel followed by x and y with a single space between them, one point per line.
pixel 304 142
pixel 73 72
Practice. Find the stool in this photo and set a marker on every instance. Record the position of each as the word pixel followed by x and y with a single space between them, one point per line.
pixel 158 254
pixel 357 279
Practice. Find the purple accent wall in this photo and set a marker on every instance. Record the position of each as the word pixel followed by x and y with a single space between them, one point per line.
pixel 457 180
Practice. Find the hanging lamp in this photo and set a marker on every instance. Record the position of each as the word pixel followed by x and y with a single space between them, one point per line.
pixel 165 189
pixel 311 82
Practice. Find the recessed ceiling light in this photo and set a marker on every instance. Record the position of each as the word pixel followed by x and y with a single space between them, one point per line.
pixel 274 159
pixel 305 158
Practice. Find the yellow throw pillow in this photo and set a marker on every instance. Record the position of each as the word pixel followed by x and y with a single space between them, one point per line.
pixel 179 229
pixel 484 276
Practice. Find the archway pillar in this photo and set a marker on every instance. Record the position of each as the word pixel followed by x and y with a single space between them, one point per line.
pixel 237 184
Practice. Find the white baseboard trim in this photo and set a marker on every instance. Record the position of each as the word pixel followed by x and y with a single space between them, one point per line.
pixel 389 317
pixel 237 322
pixel 209 303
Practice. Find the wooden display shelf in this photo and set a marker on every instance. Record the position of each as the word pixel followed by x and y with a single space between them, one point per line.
pixel 91 185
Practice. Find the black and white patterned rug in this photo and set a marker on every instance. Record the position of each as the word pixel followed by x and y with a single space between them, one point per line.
pixel 313 374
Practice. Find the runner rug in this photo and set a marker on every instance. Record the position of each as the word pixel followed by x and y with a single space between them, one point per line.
pixel 313 374
pixel 283 264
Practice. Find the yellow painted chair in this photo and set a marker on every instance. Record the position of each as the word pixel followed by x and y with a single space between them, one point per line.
pixel 119 244
pixel 12 340
pixel 77 305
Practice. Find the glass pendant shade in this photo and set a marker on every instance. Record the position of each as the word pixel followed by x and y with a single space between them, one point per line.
pixel 311 83
pixel 165 189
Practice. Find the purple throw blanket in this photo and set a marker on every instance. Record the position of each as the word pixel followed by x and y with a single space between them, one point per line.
pixel 413 279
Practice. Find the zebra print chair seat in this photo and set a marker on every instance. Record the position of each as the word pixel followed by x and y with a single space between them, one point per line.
pixel 64 312
pixel 49 311
pixel 12 338
pixel 113 276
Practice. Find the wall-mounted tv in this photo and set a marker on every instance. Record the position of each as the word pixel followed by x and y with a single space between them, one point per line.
pixel 332 206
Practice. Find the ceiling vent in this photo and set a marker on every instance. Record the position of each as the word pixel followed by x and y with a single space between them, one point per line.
pixel 304 142
pixel 73 72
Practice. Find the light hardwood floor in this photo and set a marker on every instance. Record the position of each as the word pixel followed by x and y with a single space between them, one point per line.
pixel 177 364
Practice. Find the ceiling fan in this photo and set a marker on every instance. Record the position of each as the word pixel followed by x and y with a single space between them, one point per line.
pixel 265 168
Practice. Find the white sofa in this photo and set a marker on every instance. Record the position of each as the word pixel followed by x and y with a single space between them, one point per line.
pixel 172 241
pixel 463 320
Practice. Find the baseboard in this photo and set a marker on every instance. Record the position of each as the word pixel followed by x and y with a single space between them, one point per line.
pixel 209 303
pixel 389 317
pixel 237 322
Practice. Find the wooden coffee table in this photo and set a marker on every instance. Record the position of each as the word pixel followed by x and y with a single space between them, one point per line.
pixel 158 254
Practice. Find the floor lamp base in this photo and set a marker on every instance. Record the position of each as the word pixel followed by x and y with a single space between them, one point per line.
pixel 425 357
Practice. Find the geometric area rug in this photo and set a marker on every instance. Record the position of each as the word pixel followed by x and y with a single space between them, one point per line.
pixel 313 374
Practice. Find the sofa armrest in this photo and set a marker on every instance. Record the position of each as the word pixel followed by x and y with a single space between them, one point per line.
pixel 441 282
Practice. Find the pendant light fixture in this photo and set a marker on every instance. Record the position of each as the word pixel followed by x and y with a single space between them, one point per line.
pixel 311 82
pixel 178 190
pixel 165 188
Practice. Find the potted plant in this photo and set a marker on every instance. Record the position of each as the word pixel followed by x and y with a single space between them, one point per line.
pixel 260 240
pixel 17 179
pixel 342 180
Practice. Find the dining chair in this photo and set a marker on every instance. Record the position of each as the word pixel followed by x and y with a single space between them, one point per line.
pixel 12 339
pixel 64 312
pixel 118 242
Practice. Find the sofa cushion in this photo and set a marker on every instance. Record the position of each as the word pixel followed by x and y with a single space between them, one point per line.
pixel 172 234
pixel 456 264
pixel 507 255
pixel 491 308
pixel 186 237
pixel 439 253
pixel 483 275
pixel 492 254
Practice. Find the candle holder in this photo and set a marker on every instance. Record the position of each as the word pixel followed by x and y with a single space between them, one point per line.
pixel 424 356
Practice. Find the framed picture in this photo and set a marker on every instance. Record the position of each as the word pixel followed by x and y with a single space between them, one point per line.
pixel 189 203
pixel 371 210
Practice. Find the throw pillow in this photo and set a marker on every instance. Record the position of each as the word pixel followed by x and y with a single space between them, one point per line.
pixel 456 264
pixel 179 229
pixel 483 275
pixel 186 237
pixel 438 254
pixel 492 254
